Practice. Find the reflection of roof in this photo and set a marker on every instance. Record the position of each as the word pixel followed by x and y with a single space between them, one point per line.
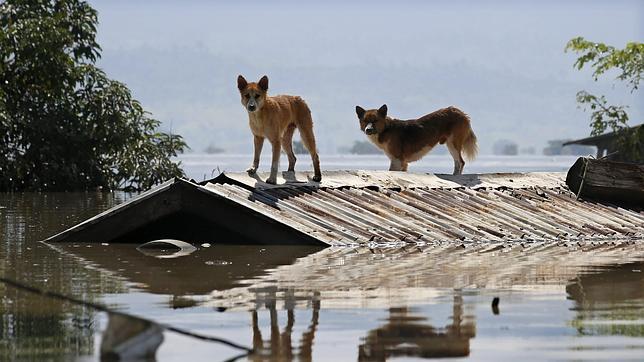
pixel 249 277
pixel 382 278
pixel 595 140
pixel 359 208
pixel 225 265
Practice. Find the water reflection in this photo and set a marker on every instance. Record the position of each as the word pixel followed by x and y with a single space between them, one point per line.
pixel 32 327
pixel 217 268
pixel 128 339
pixel 279 346
pixel 278 280
pixel 380 278
pixel 403 333
pixel 409 335
pixel 615 294
pixel 307 304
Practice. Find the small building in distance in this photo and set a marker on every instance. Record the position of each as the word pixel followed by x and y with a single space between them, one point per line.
pixel 212 149
pixel 608 144
pixel 561 147
pixel 505 148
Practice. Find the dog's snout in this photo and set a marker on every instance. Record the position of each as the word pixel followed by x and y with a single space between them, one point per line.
pixel 251 105
pixel 370 129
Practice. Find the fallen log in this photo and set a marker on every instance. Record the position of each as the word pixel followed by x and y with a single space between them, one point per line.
pixel 618 183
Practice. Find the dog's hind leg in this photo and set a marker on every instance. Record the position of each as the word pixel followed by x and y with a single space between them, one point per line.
pixel 455 151
pixel 309 142
pixel 287 146
pixel 306 132
pixel 304 123
pixel 396 165
pixel 404 165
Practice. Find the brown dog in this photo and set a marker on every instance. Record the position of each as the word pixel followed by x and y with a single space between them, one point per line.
pixel 408 141
pixel 276 118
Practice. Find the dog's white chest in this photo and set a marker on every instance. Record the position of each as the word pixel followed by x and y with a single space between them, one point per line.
pixel 374 138
pixel 255 124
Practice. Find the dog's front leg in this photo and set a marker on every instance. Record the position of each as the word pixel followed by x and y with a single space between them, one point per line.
pixel 277 148
pixel 259 143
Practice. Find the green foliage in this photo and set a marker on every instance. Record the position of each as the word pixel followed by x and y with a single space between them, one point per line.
pixel 603 116
pixel 64 124
pixel 629 62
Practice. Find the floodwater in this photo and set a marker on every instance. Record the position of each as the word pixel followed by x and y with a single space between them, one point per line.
pixel 303 303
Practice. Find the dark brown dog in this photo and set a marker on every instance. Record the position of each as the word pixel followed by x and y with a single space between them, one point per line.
pixel 408 141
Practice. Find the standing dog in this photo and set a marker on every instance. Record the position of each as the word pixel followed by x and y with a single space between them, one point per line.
pixel 408 141
pixel 276 118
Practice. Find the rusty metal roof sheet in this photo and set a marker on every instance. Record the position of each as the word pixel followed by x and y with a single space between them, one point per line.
pixel 351 208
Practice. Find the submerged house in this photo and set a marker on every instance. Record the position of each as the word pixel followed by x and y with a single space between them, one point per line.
pixel 362 208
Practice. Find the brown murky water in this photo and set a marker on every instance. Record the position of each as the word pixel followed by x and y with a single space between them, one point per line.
pixel 306 303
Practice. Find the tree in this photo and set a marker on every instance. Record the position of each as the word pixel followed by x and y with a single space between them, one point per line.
pixel 629 62
pixel 64 125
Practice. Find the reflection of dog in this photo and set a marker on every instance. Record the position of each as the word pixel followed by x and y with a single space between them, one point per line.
pixel 276 118
pixel 408 141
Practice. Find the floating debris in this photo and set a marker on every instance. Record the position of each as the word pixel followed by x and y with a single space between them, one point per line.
pixel 495 305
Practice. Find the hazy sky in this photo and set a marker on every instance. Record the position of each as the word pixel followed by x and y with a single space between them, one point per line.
pixel 501 62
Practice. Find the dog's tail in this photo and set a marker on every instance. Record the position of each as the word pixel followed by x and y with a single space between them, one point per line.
pixel 470 147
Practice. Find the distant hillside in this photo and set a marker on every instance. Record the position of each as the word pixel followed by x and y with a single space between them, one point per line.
pixel 194 92
pixel 502 63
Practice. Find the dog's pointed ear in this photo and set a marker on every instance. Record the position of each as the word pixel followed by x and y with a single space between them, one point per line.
pixel 360 112
pixel 263 83
pixel 241 82
pixel 383 110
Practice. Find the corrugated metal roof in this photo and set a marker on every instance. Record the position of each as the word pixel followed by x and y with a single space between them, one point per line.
pixel 384 207
pixel 397 180
pixel 361 208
